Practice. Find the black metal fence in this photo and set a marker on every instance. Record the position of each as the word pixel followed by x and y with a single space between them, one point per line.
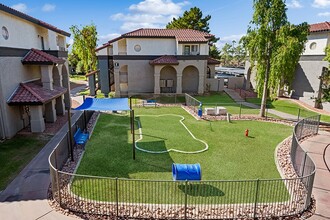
pixel 131 198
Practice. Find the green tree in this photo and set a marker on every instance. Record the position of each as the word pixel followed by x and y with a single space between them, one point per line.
pixel 325 77
pixel 226 54
pixel 84 44
pixel 274 46
pixel 193 19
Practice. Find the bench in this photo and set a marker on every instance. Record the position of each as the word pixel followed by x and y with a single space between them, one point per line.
pixel 150 102
pixel 80 137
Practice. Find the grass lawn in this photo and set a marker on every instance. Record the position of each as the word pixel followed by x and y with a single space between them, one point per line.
pixel 231 156
pixel 289 107
pixel 222 99
pixel 74 77
pixel 16 153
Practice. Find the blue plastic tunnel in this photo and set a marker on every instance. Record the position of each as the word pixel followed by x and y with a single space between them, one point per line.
pixel 186 171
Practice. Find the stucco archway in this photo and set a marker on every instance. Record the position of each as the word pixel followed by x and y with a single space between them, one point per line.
pixel 168 79
pixel 190 79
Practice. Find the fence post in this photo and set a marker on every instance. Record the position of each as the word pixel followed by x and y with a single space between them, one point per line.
pixel 266 112
pixel 298 114
pixel 304 163
pixel 58 187
pixel 185 199
pixel 256 199
pixel 240 109
pixel 117 202
pixel 318 124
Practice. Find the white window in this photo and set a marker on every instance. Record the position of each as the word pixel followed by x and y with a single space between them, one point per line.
pixel 194 48
pixel 186 50
pixel 190 50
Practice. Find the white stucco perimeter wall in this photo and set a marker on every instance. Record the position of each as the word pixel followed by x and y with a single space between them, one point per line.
pixel 151 46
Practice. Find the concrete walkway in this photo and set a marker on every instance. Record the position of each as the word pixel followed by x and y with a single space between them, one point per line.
pixel 235 96
pixel 315 147
pixel 26 196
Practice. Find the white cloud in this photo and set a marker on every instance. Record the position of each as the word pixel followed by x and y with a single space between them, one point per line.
pixel 321 3
pixel 149 14
pixel 48 7
pixel 105 38
pixel 164 7
pixel 294 4
pixel 229 39
pixel 108 37
pixel 324 14
pixel 20 7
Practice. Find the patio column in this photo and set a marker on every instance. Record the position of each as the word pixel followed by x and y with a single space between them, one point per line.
pixel 50 111
pixel 57 78
pixel 179 83
pixel 201 83
pixel 60 107
pixel 117 82
pixel 37 120
pixel 47 76
pixel 157 86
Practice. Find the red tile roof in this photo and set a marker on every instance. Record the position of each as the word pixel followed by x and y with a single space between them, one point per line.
pixel 182 35
pixel 32 19
pixel 32 93
pixel 39 57
pixel 213 61
pixel 320 27
pixel 164 60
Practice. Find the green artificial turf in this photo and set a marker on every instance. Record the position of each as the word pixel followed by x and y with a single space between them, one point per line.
pixel 289 107
pixel 223 100
pixel 231 156
pixel 16 153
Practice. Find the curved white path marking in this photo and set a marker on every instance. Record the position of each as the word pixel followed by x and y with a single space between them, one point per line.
pixel 169 150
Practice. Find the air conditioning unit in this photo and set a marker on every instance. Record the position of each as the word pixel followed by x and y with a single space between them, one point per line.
pixel 169 83
pixel 162 83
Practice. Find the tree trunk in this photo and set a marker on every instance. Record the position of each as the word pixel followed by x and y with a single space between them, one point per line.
pixel 264 93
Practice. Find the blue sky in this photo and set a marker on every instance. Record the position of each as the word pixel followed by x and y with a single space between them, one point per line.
pixel 229 21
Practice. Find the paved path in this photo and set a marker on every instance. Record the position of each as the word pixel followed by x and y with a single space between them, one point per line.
pixel 235 96
pixel 315 147
pixel 26 196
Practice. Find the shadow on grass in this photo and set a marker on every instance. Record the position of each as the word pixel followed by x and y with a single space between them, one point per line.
pixel 201 189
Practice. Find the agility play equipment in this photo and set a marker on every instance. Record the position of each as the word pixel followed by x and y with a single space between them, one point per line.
pixel 186 171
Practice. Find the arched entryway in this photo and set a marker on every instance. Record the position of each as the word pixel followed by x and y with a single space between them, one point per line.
pixel 190 79
pixel 168 80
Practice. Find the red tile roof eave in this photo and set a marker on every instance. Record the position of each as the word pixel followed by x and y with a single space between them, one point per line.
pixel 32 19
pixel 319 27
pixel 154 64
pixel 38 57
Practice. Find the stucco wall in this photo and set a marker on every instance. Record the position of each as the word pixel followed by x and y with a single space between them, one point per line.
pixel 321 40
pixel 140 76
pixel 151 46
pixel 190 79
pixel 235 82
pixel 306 82
pixel 24 34
pixel 12 73
pixel 216 85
